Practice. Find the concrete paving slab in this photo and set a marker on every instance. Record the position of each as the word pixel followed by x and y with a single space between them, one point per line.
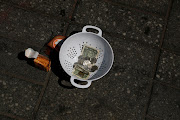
pixel 28 27
pixel 173 29
pixel 60 8
pixel 134 35
pixel 165 103
pixel 18 97
pixel 5 118
pixel 13 60
pixel 155 6
pixel 116 19
pixel 112 97
pixel 168 69
pixel 122 93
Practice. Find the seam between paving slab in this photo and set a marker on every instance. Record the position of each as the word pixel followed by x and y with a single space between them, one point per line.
pixel 158 58
pixel 49 73
pixel 159 48
pixel 47 78
pixel 41 95
pixel 70 17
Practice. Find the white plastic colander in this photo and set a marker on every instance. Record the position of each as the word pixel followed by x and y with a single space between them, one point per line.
pixel 72 47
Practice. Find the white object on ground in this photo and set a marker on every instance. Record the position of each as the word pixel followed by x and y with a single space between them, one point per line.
pixel 72 47
pixel 30 53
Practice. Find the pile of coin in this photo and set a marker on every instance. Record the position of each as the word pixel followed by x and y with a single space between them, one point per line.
pixel 86 62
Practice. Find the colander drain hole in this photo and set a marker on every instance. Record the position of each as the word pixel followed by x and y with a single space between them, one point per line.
pixel 72 52
pixel 81 47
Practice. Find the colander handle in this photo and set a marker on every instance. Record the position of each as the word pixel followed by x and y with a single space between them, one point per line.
pixel 80 86
pixel 93 27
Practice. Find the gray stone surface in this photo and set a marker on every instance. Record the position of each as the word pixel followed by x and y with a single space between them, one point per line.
pixel 169 69
pixel 60 8
pixel 112 97
pixel 28 27
pixel 122 93
pixel 18 97
pixel 75 28
pixel 5 118
pixel 172 37
pixel 12 63
pixel 155 6
pixel 113 18
pixel 165 103
pixel 148 119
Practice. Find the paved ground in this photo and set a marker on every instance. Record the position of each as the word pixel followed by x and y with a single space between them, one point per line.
pixel 144 82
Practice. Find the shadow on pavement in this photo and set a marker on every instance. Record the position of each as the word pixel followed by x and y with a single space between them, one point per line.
pixel 21 56
pixel 64 78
